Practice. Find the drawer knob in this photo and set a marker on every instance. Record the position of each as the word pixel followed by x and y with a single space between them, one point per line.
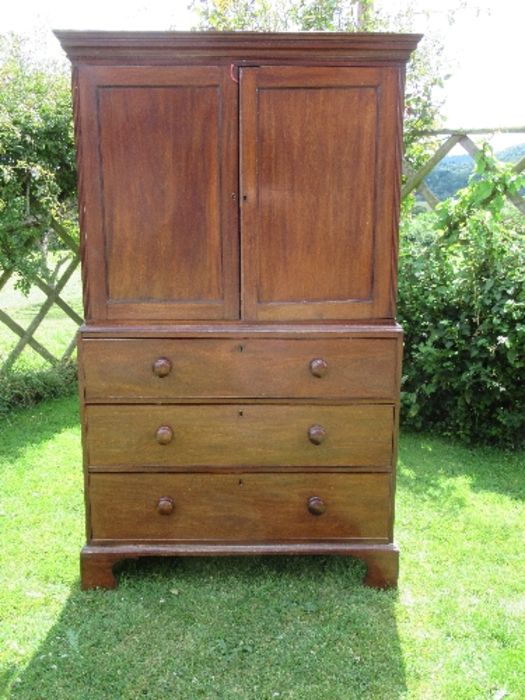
pixel 165 505
pixel 162 367
pixel 316 505
pixel 164 435
pixel 318 367
pixel 316 434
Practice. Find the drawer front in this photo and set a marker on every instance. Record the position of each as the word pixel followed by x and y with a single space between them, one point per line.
pixel 221 368
pixel 255 507
pixel 239 435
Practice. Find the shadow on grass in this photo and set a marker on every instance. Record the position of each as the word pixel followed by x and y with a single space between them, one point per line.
pixel 223 628
pixel 430 465
pixel 30 427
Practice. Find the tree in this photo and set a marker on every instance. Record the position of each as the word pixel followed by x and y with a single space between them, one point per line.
pixel 37 162
pixel 425 71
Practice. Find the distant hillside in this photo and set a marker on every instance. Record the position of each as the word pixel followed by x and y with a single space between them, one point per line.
pixel 454 171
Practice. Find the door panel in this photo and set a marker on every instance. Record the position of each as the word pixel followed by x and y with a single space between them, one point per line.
pixel 161 183
pixel 318 158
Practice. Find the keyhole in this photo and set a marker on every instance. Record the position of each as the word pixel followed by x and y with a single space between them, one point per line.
pixel 241 348
pixel 241 412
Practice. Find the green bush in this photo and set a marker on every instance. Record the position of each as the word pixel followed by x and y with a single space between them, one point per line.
pixel 21 389
pixel 462 305
pixel 37 163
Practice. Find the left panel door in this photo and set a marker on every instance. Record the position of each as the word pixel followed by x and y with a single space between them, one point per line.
pixel 158 154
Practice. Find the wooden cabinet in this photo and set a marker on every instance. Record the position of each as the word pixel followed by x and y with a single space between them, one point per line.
pixel 240 360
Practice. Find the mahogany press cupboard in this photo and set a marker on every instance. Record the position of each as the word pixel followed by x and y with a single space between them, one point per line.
pixel 240 362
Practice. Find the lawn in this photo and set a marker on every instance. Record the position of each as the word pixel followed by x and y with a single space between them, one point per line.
pixel 287 628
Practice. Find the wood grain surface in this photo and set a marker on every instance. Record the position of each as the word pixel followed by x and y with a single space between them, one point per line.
pixel 240 365
pixel 239 435
pixel 318 233
pixel 126 370
pixel 158 48
pixel 159 169
pixel 254 507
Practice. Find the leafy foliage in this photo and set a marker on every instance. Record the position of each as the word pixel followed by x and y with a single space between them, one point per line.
pixel 462 304
pixel 37 161
pixel 22 388
pixel 453 172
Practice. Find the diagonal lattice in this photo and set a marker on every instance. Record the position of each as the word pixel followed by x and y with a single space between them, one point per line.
pixel 416 180
pixel 52 294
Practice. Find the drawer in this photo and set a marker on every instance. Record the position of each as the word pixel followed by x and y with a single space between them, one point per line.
pixel 229 368
pixel 253 435
pixel 255 507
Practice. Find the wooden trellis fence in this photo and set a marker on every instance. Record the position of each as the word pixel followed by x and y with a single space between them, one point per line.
pixel 52 296
pixel 415 181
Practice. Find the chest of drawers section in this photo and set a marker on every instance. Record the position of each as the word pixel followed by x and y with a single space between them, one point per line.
pixel 239 445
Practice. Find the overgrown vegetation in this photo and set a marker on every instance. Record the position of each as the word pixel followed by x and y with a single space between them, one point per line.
pixel 453 172
pixel 37 200
pixel 462 304
pixel 22 388
pixel 37 163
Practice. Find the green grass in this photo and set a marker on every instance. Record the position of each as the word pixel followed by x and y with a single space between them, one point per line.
pixel 264 628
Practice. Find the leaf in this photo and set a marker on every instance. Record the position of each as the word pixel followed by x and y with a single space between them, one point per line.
pixel 483 190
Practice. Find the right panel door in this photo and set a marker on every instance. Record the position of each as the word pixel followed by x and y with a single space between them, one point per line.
pixel 320 164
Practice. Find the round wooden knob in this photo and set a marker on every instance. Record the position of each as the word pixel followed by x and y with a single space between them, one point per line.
pixel 316 434
pixel 164 435
pixel 316 505
pixel 165 505
pixel 162 367
pixel 318 367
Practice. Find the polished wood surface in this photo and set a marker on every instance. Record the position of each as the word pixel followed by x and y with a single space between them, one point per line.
pixel 127 370
pixel 255 507
pixel 161 367
pixel 240 364
pixel 165 505
pixel 371 328
pixel 164 435
pixel 318 229
pixel 239 435
pixel 158 48
pixel 316 505
pixel 159 170
pixel 318 367
pixel 317 434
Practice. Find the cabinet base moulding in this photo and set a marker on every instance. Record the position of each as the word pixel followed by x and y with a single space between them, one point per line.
pixel 97 561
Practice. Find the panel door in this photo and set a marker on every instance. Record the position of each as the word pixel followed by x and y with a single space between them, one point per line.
pixel 158 177
pixel 320 191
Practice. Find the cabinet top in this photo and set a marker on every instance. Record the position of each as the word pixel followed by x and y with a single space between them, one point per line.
pixel 163 47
